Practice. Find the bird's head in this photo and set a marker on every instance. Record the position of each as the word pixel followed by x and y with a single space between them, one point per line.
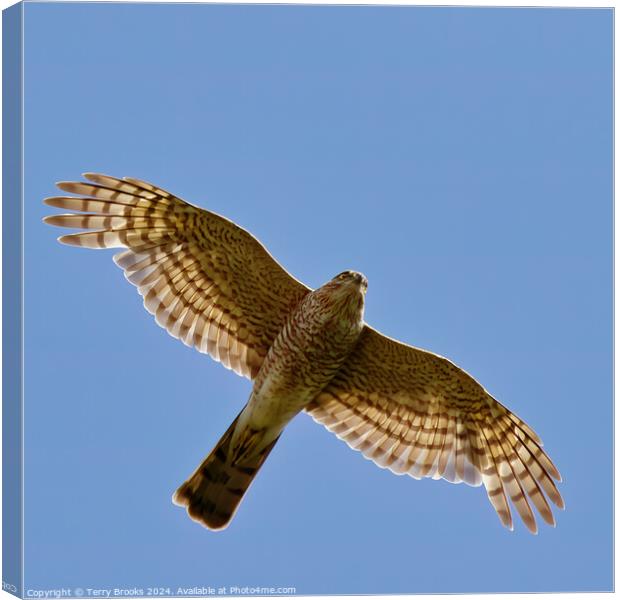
pixel 346 292
pixel 351 280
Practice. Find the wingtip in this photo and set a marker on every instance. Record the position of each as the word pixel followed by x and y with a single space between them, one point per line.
pixel 71 239
pixel 548 517
pixel 531 525
pixel 100 178
pixel 66 186
pixel 507 524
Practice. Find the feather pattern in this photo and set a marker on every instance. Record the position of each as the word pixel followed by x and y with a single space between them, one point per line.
pixel 214 287
pixel 417 413
pixel 206 281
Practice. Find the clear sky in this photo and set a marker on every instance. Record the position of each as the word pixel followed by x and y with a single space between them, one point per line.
pixel 459 157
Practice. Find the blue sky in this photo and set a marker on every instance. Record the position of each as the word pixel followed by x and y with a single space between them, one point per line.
pixel 459 157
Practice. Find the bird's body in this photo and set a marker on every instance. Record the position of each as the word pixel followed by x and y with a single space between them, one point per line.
pixel 213 286
pixel 309 350
pixel 312 346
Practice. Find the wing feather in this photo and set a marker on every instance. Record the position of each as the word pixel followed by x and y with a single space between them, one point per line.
pixel 206 281
pixel 415 412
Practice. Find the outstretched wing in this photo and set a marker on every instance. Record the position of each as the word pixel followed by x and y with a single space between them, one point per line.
pixel 417 413
pixel 208 282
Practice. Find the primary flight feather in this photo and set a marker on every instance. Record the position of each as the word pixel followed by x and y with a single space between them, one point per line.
pixel 213 286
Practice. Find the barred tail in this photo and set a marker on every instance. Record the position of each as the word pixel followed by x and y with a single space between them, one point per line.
pixel 213 493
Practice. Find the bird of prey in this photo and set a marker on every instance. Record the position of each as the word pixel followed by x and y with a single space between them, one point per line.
pixel 213 286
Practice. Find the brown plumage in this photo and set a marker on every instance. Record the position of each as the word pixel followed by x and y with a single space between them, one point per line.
pixel 214 491
pixel 212 285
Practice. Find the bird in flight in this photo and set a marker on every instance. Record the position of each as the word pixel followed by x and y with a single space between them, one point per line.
pixel 213 286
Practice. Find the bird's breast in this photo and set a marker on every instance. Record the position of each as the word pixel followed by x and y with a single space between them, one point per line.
pixel 309 350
